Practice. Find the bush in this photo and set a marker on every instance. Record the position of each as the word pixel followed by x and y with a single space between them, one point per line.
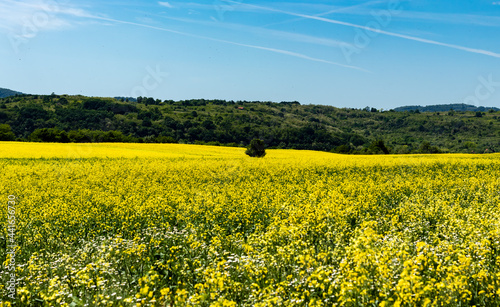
pixel 94 104
pixel 6 133
pixel 256 149
pixel 165 139
pixel 426 147
pixel 378 147
pixel 343 149
pixel 49 135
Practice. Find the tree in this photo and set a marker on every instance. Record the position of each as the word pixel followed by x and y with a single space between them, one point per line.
pixel 378 147
pixel 343 149
pixel 6 133
pixel 426 147
pixel 63 100
pixel 94 104
pixel 256 149
pixel 49 135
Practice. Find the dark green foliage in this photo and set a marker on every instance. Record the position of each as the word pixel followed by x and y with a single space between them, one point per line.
pixel 6 133
pixel 126 99
pixel 82 119
pixel 147 122
pixel 165 139
pixel 256 149
pixel 343 149
pixel 88 136
pixel 105 105
pixel 94 104
pixel 286 125
pixel 147 101
pixel 445 107
pixel 7 93
pixel 426 147
pixel 49 135
pixel 378 147
pixel 357 140
pixel 63 100
pixel 34 112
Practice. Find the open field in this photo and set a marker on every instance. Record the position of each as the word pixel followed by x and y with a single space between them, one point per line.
pixel 187 225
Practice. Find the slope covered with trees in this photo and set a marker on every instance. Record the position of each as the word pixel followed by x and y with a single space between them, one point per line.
pixel 7 93
pixel 446 107
pixel 62 118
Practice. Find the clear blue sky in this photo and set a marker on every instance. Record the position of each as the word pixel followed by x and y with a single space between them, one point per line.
pixel 380 54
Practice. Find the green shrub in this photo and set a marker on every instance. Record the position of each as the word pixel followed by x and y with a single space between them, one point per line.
pixel 256 149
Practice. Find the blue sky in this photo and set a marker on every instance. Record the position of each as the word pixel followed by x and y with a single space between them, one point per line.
pixel 375 53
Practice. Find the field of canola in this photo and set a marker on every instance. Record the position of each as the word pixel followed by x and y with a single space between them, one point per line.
pixel 186 225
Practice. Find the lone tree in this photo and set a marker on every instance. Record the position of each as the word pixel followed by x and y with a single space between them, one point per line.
pixel 256 149
pixel 378 147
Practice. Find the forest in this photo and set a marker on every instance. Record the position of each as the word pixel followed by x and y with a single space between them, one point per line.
pixel 285 125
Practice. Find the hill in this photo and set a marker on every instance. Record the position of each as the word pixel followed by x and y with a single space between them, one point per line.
pixel 446 107
pixel 7 93
pixel 62 118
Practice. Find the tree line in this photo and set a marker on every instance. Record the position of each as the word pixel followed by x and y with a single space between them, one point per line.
pixel 287 125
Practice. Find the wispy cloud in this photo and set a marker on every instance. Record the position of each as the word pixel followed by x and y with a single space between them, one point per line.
pixel 407 37
pixel 17 15
pixel 367 9
pixel 24 18
pixel 239 6
pixel 342 9
pixel 294 54
pixel 270 49
pixel 261 31
pixel 467 19
pixel 446 18
pixel 166 4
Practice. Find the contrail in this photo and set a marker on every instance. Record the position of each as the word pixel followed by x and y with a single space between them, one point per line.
pixel 298 55
pixel 328 12
pixel 280 51
pixel 417 39
pixel 262 31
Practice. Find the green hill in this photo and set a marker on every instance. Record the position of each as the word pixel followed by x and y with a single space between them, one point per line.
pixel 7 93
pixel 236 123
pixel 446 107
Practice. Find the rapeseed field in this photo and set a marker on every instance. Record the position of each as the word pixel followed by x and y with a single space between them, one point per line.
pixel 186 225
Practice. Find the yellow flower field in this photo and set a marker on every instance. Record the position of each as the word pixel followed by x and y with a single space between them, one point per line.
pixel 187 225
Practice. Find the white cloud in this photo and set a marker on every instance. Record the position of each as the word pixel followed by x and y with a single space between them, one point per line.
pixel 166 4
pixel 28 17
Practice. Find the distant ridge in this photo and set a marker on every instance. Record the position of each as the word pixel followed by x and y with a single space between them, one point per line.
pixel 446 107
pixel 7 93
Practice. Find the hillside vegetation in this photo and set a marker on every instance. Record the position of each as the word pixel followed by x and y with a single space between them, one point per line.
pixel 7 93
pixel 446 107
pixel 56 118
